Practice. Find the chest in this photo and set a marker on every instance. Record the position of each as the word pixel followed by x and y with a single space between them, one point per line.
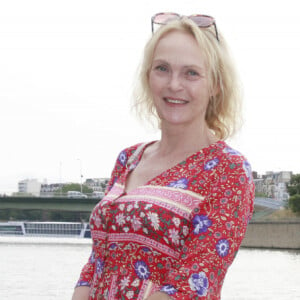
pixel 148 169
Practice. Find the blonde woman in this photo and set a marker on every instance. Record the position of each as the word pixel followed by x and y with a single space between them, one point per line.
pixel 176 210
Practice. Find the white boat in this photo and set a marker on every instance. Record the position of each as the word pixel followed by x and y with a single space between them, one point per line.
pixel 46 229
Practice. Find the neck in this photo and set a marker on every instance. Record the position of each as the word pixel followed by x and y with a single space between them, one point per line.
pixel 180 139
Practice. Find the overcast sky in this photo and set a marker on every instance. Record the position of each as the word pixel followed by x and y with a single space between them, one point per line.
pixel 67 70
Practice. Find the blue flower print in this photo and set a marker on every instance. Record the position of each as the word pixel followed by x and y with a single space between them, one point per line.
pixel 231 151
pixel 123 158
pixel 247 169
pixel 146 249
pixel 180 184
pixel 92 257
pixel 169 289
pixel 201 223
pixel 113 246
pixel 83 283
pixel 222 247
pixel 198 282
pixel 141 269
pixel 211 164
pixel 99 266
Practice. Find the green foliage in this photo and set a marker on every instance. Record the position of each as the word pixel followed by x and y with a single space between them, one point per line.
pixel 294 203
pixel 294 186
pixel 261 195
pixel 74 187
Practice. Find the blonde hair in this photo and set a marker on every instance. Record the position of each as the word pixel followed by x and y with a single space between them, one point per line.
pixel 223 110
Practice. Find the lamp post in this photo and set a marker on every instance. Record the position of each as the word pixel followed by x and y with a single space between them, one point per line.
pixel 80 170
pixel 60 179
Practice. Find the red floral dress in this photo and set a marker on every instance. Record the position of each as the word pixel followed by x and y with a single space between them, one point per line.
pixel 177 234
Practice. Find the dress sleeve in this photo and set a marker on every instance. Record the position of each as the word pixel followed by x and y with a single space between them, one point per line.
pixel 87 272
pixel 217 229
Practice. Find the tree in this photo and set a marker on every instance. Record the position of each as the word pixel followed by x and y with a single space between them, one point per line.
pixel 74 187
pixel 294 203
pixel 294 190
pixel 293 186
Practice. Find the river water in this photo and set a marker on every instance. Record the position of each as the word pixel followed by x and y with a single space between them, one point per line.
pixel 47 269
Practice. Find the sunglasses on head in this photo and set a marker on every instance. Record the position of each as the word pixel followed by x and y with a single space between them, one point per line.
pixel 202 21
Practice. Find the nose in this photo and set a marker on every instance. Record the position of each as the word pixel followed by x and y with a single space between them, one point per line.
pixel 175 82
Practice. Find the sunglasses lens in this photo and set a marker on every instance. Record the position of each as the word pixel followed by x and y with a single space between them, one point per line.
pixel 202 21
pixel 165 18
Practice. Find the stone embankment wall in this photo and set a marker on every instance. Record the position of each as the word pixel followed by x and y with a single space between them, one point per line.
pixel 282 235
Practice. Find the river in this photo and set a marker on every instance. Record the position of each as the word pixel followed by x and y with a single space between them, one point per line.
pixel 47 269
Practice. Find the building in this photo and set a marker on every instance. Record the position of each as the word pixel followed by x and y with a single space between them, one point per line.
pixel 29 186
pixel 49 190
pixel 273 184
pixel 97 184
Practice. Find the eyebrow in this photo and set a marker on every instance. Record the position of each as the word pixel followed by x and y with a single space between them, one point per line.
pixel 185 66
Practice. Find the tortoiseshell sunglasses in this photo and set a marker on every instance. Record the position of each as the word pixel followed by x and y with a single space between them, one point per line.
pixel 200 20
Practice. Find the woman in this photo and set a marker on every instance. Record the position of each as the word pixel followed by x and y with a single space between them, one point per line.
pixel 176 210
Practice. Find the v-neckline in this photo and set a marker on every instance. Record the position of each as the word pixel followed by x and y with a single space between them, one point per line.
pixel 137 160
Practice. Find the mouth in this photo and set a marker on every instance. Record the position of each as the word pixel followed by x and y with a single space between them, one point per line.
pixel 175 101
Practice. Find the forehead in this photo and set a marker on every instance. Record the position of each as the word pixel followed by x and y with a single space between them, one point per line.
pixel 179 47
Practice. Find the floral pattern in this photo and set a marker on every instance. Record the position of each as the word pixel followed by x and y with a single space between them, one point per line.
pixel 201 223
pixel 177 234
pixel 222 247
pixel 141 269
pixel 199 283
pixel 211 164
pixel 180 184
pixel 122 158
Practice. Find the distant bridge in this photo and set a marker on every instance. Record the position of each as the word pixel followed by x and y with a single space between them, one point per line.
pixel 86 204
pixel 47 203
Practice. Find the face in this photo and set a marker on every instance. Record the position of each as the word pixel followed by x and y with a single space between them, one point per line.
pixel 178 80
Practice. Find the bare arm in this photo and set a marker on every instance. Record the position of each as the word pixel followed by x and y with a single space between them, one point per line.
pixel 81 293
pixel 159 296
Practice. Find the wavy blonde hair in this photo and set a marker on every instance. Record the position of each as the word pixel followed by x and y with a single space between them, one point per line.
pixel 224 107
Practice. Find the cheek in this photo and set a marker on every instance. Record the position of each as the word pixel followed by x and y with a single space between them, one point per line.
pixel 156 83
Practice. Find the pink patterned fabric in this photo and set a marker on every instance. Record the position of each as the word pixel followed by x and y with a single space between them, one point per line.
pixel 178 233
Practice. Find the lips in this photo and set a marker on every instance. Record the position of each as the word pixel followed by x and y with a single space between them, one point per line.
pixel 175 100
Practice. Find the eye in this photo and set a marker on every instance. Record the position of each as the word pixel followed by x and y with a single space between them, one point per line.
pixel 161 68
pixel 192 73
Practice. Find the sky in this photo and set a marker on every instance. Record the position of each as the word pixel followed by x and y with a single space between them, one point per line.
pixel 67 68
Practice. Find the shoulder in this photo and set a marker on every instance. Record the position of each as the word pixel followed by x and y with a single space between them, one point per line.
pixel 227 160
pixel 236 161
pixel 127 153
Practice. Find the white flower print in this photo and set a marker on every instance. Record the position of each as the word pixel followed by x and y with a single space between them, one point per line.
pixel 154 219
pixel 142 214
pixel 136 282
pixel 97 221
pixel 122 206
pixel 124 282
pixel 129 294
pixel 166 240
pixel 136 223
pixel 174 236
pixel 120 219
pixel 176 221
pixel 129 207
pixel 126 229
pixel 185 230
pixel 106 292
pixel 113 227
pixel 148 206
pixel 128 218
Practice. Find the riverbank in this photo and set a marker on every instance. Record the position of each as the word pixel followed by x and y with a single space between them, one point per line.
pixel 279 229
pixel 278 235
